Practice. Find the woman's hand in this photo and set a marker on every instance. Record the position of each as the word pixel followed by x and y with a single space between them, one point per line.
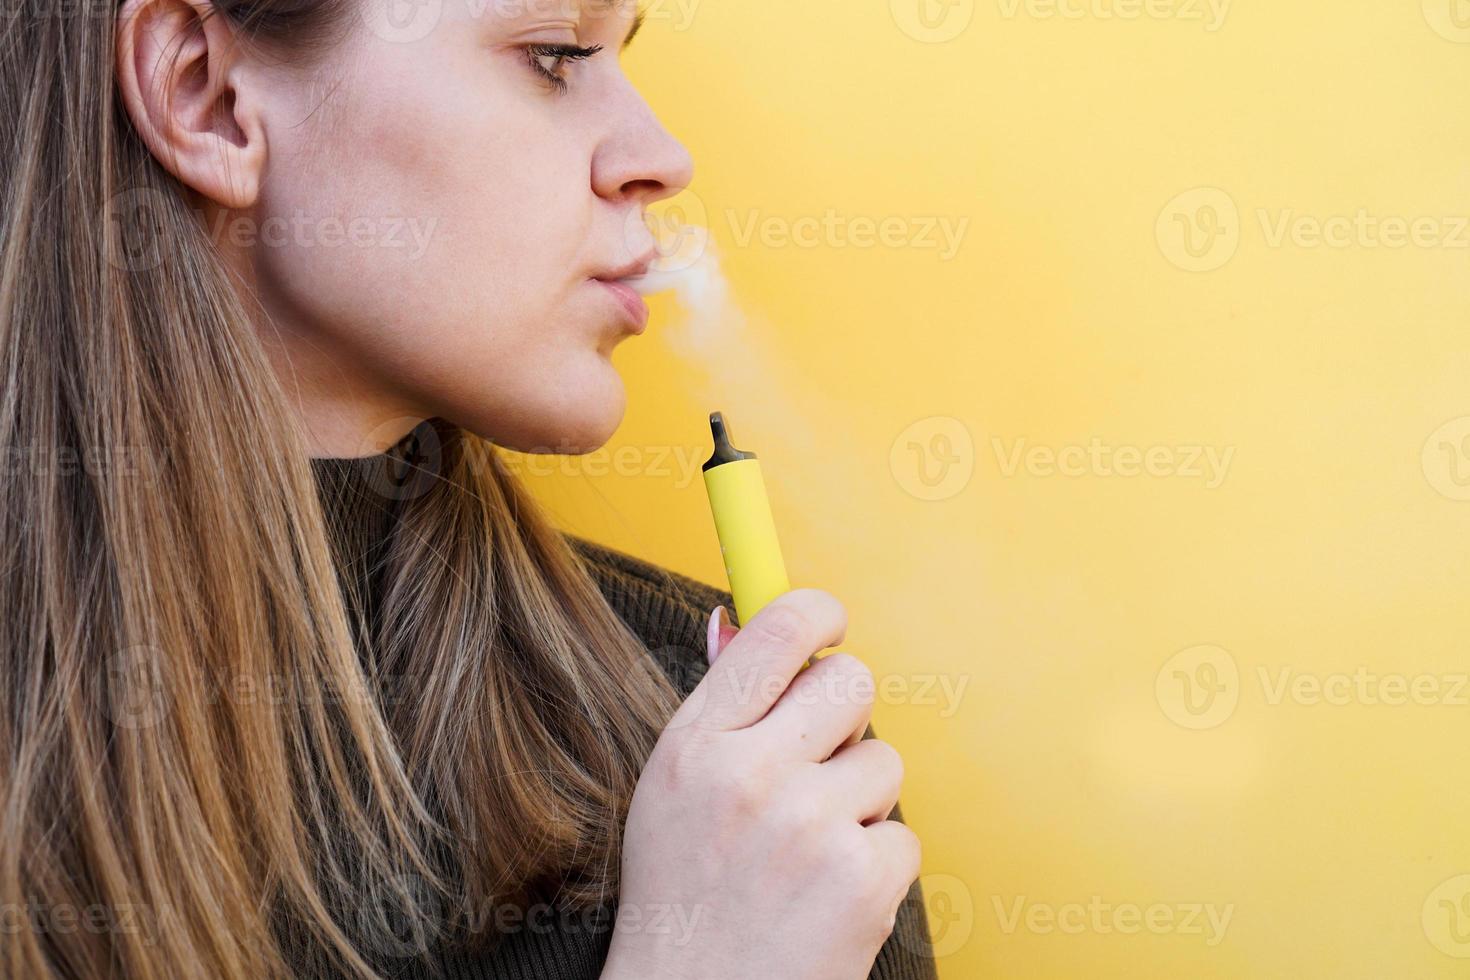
pixel 758 843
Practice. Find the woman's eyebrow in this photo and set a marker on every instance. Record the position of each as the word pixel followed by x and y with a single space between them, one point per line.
pixel 633 31
pixel 638 15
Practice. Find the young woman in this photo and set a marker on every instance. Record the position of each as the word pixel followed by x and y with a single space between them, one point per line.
pixel 296 679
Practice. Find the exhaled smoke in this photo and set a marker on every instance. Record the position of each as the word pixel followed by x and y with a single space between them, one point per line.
pixel 736 367
pixel 689 265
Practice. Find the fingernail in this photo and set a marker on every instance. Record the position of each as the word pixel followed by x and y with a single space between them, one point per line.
pixel 712 634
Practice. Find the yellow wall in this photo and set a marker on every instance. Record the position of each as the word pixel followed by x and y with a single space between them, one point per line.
pixel 1067 612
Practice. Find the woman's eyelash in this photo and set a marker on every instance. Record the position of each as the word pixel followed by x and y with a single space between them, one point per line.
pixel 562 53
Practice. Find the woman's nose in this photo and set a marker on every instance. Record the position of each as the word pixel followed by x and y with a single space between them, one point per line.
pixel 641 161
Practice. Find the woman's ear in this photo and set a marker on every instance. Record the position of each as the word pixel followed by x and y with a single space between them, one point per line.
pixel 183 85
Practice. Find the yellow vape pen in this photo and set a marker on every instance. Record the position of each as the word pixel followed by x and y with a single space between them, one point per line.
pixel 743 522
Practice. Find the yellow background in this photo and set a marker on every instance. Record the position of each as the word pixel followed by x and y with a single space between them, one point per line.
pixel 1079 150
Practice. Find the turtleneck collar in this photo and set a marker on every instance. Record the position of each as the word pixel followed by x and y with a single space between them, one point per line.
pixel 361 498
pixel 358 488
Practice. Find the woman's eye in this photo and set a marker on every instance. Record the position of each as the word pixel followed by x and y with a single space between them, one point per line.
pixel 549 60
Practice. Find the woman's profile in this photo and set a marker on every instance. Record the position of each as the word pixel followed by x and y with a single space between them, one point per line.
pixel 297 679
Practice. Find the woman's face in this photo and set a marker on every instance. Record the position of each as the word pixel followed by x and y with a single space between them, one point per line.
pixel 441 213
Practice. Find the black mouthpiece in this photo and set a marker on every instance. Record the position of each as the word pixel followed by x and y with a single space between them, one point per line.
pixel 724 452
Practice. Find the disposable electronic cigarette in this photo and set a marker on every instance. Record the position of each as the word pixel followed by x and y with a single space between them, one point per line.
pixel 743 522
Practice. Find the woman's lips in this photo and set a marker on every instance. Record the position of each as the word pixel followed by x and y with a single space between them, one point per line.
pixel 630 301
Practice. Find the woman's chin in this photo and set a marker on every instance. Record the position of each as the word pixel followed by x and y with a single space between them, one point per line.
pixel 581 422
pixel 596 411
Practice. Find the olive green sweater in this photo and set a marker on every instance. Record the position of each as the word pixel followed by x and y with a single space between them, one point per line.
pixel 669 613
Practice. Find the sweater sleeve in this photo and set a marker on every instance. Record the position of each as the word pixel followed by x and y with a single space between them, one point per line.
pixel 669 611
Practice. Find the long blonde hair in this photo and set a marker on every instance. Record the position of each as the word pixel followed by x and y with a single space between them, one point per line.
pixel 198 775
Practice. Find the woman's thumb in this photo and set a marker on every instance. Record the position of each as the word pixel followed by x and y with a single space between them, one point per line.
pixel 720 632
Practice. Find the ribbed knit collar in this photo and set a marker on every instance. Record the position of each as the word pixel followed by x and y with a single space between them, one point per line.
pixel 356 494
pixel 361 504
pixel 362 494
